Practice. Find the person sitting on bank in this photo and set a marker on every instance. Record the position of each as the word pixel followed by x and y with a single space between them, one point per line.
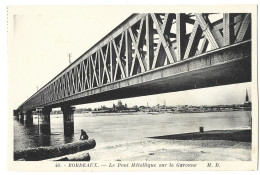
pixel 83 135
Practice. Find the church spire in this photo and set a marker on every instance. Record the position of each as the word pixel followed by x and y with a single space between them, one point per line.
pixel 247 104
pixel 247 98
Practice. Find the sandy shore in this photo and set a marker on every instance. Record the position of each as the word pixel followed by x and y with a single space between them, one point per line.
pixel 229 146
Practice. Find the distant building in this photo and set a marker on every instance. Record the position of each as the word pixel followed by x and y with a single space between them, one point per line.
pixel 120 105
pixel 123 108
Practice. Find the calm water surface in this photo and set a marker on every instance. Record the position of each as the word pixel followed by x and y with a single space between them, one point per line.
pixel 117 128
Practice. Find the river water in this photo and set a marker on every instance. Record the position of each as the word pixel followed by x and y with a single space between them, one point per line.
pixel 121 128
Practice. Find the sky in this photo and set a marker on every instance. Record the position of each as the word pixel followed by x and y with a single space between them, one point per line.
pixel 40 38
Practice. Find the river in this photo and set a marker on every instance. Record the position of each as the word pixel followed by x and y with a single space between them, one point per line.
pixel 121 128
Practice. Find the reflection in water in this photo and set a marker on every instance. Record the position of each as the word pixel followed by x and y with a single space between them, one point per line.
pixel 44 129
pixel 68 139
pixel 44 140
pixel 126 127
pixel 25 136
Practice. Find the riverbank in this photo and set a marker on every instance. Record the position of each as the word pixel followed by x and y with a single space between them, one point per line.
pixel 170 148
pixel 231 135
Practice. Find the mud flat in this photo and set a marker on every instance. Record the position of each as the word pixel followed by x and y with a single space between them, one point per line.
pixel 232 135
pixel 226 145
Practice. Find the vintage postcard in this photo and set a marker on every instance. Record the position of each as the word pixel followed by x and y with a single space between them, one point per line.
pixel 132 88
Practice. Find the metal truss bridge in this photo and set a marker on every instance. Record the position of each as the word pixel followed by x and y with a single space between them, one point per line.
pixel 154 53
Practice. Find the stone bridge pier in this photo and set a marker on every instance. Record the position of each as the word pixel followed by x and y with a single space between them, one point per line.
pixel 28 117
pixel 21 117
pixel 68 119
pixel 44 120
pixel 16 115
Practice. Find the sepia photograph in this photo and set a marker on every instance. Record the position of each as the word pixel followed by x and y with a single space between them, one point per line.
pixel 107 88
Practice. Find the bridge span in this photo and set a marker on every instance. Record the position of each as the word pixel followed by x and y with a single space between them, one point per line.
pixel 149 54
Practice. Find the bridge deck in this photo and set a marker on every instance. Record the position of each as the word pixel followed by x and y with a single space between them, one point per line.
pixel 211 69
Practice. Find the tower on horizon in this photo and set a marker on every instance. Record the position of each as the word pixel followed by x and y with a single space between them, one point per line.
pixel 247 98
pixel 247 103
